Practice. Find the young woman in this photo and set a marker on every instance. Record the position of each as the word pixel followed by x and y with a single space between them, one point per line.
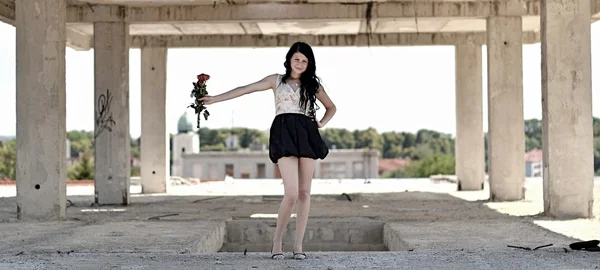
pixel 295 143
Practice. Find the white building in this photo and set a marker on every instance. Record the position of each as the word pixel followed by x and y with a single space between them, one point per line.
pixel 534 163
pixel 190 162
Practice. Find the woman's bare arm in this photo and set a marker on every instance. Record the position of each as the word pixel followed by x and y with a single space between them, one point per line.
pixel 330 108
pixel 265 84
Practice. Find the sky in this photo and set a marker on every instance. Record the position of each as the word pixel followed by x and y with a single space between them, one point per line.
pixel 388 88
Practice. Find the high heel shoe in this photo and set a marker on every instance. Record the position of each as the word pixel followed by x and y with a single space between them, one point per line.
pixel 276 256
pixel 299 255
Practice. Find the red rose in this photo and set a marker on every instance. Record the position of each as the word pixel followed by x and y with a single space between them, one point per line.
pixel 202 78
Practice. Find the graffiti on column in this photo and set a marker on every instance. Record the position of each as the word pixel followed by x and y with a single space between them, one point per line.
pixel 104 120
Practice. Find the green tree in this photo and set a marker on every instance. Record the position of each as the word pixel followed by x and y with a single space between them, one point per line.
pixel 339 138
pixel 81 146
pixel 247 136
pixel 135 147
pixel 533 134
pixel 368 139
pixel 410 140
pixel 82 170
pixel 81 141
pixel 431 165
pixel 79 135
pixel 212 138
pixel 392 144
pixel 8 159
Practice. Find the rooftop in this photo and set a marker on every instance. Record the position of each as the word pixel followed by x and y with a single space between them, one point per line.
pixel 535 155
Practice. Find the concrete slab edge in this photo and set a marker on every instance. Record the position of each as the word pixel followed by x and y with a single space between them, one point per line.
pixel 392 239
pixel 213 241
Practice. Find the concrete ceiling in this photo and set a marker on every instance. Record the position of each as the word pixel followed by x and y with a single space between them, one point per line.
pixel 321 27
pixel 331 19
pixel 240 2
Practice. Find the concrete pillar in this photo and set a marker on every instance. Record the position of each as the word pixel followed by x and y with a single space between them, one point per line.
pixel 506 134
pixel 154 149
pixel 41 109
pixel 567 109
pixel 469 147
pixel 111 133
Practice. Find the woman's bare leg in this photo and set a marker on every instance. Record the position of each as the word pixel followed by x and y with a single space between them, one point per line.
pixel 288 167
pixel 305 174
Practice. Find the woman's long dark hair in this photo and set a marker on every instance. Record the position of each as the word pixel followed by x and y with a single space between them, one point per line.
pixel 309 82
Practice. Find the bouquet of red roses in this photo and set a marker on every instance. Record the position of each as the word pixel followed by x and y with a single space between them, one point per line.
pixel 198 92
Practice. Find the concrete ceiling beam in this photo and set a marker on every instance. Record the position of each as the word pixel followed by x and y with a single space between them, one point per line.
pixel 258 41
pixel 595 7
pixel 298 12
pixel 79 41
pixel 7 12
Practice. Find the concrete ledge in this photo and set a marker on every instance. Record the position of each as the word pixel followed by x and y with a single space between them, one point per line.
pixel 392 239
pixel 162 236
pixel 475 234
pixel 212 241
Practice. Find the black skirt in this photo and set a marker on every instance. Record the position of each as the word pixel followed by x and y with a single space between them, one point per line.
pixel 295 135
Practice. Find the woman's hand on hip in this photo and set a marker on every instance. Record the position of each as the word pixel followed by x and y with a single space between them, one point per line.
pixel 319 124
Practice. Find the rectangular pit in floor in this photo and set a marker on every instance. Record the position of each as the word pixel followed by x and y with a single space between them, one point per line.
pixel 322 234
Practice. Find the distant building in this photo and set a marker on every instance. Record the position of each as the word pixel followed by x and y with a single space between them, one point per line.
pixel 190 162
pixel 534 166
pixel 185 142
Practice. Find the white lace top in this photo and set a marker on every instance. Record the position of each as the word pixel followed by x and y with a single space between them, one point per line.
pixel 287 100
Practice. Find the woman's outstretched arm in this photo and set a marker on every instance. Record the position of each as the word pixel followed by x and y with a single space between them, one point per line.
pixel 330 108
pixel 264 84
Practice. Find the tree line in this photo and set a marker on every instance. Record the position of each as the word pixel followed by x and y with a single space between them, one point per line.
pixel 428 151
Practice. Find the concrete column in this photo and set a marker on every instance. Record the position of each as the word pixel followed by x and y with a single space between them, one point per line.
pixel 111 133
pixel 154 150
pixel 41 109
pixel 506 134
pixel 567 109
pixel 470 150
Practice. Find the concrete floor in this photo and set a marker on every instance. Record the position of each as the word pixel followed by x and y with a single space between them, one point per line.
pixel 443 228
